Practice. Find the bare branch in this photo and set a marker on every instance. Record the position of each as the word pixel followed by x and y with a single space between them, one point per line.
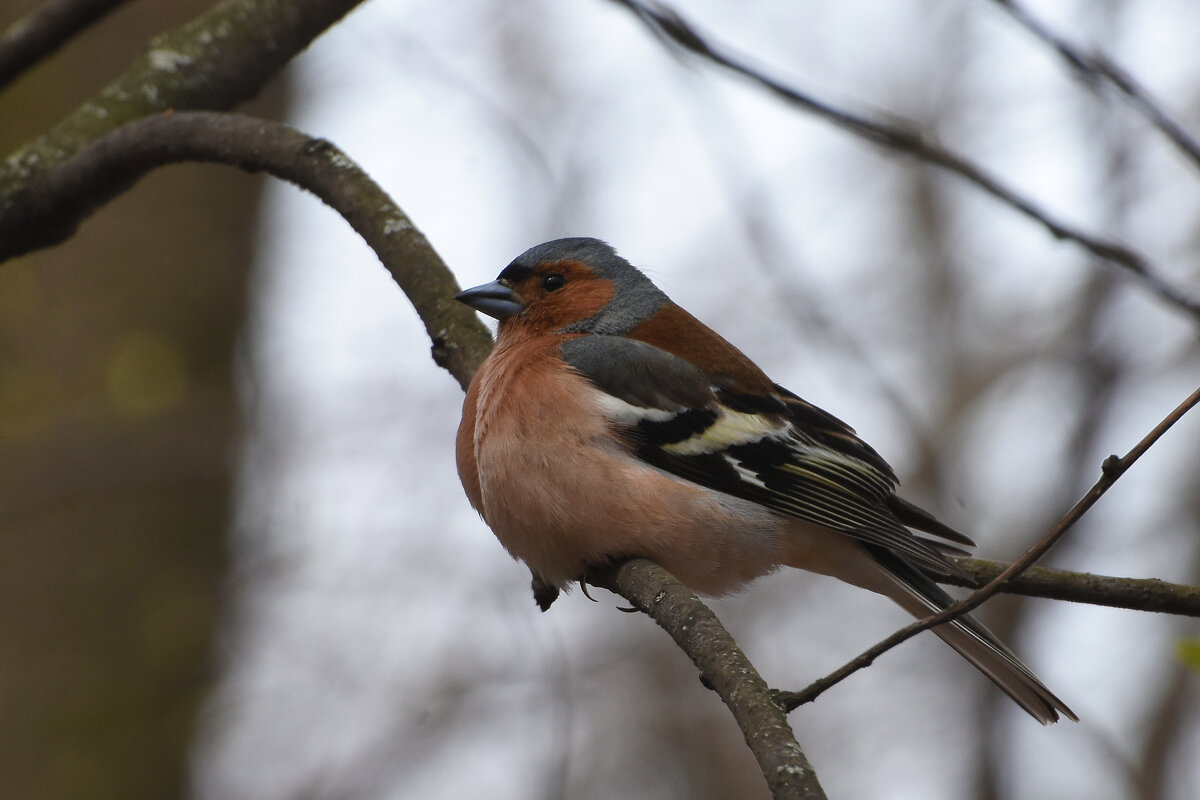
pixel 43 30
pixel 215 61
pixel 1098 68
pixel 1137 594
pixel 54 203
pixel 671 26
pixel 724 667
pixel 1111 471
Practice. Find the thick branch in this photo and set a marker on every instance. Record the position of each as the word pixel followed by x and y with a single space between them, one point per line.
pixel 216 61
pixel 906 139
pixel 43 30
pixel 724 667
pixel 1137 594
pixel 55 202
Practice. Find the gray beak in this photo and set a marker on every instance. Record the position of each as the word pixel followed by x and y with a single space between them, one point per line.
pixel 494 299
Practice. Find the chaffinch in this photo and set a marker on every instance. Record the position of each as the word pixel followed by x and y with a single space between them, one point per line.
pixel 610 423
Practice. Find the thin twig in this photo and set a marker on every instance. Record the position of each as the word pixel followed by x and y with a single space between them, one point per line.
pixel 1098 68
pixel 43 30
pixel 669 25
pixel 1113 468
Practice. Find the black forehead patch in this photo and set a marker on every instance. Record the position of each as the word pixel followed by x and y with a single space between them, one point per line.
pixel 515 272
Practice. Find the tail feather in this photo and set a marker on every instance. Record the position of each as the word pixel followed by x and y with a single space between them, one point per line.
pixel 920 596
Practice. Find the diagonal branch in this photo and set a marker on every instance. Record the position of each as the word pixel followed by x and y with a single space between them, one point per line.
pixel 60 199
pixel 1097 67
pixel 215 61
pixel 671 26
pixel 724 667
pixel 1111 471
pixel 43 30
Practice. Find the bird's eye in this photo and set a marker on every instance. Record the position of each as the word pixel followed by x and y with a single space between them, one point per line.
pixel 553 281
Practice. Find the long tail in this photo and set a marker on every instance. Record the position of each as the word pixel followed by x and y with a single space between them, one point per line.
pixel 920 596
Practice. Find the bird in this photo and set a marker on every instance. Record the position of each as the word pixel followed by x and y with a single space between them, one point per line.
pixel 609 423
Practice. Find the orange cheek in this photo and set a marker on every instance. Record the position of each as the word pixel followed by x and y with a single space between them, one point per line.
pixel 571 304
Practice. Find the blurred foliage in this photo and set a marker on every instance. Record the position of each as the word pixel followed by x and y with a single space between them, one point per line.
pixel 1188 653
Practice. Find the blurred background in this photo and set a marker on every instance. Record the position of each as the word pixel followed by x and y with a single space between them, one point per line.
pixel 235 552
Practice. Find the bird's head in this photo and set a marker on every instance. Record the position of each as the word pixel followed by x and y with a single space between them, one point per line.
pixel 576 285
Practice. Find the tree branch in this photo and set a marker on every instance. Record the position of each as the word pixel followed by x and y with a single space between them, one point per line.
pixel 58 200
pixel 215 61
pixel 1099 68
pixel 724 667
pixel 43 30
pixel 1137 594
pixel 670 26
pixel 1111 471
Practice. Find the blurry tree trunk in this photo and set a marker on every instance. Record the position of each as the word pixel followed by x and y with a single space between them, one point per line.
pixel 118 433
